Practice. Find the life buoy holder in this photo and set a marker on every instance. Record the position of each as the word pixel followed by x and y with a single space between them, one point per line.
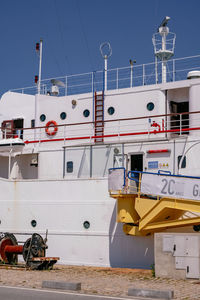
pixel 51 124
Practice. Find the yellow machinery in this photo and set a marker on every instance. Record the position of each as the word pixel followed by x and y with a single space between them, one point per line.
pixel 144 214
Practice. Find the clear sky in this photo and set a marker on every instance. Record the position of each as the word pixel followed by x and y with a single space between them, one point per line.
pixel 73 30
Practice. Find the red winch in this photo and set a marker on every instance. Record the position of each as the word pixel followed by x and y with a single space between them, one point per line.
pixel 33 251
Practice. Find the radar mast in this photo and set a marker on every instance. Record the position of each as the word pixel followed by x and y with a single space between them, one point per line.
pixel 164 43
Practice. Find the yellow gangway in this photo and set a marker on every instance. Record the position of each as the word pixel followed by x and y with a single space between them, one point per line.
pixel 146 213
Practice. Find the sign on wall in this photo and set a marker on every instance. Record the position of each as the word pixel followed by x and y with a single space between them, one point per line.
pixel 153 164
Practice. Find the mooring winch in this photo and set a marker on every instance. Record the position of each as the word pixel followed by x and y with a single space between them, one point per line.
pixel 33 251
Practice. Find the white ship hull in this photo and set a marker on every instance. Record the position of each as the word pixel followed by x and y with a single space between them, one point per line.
pixel 62 206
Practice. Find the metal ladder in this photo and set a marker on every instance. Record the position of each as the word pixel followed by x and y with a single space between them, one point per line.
pixel 99 117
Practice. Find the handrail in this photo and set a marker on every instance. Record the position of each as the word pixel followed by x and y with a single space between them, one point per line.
pixel 120 77
pixel 115 120
pixel 129 174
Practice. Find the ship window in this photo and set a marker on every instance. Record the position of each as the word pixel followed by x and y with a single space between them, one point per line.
pixel 150 106
pixel 86 224
pixel 111 110
pixel 63 115
pixel 69 166
pixel 86 113
pixel 33 223
pixel 32 123
pixel 42 118
pixel 183 165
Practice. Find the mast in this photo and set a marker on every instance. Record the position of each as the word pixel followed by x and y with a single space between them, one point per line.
pixel 106 52
pixel 40 66
pixel 164 42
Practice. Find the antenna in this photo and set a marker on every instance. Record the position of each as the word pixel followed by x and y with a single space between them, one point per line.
pixel 39 50
pixel 106 52
pixel 55 86
pixel 164 43
pixel 131 65
pixel 164 22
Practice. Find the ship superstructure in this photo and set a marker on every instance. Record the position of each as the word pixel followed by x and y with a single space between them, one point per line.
pixel 57 145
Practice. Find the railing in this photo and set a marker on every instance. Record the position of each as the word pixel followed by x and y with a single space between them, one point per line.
pixel 160 184
pixel 139 75
pixel 139 128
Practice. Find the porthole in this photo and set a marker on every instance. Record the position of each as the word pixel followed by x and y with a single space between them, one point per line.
pixel 86 113
pixel 150 106
pixel 63 115
pixel 33 223
pixel 111 110
pixel 86 224
pixel 42 118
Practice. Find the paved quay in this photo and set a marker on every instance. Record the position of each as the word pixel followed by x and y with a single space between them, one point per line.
pixel 101 281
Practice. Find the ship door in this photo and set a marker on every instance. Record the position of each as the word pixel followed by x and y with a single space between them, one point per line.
pixel 177 122
pixel 136 164
pixel 18 127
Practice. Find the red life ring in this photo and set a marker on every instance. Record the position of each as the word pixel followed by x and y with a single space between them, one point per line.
pixel 49 125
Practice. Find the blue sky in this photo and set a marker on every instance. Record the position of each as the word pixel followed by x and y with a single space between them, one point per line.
pixel 73 30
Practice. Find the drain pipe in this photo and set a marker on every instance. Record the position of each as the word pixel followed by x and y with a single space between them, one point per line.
pixel 9 163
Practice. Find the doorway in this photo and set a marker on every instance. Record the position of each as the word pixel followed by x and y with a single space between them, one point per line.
pixel 12 128
pixel 18 127
pixel 136 162
pixel 176 122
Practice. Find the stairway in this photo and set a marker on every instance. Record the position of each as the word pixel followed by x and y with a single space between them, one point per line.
pixel 98 117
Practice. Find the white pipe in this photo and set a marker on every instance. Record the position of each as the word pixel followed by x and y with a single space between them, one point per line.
pixel 164 62
pixel 9 164
pixel 156 68
pixel 105 70
pixel 40 67
pixel 164 71
pixel 131 84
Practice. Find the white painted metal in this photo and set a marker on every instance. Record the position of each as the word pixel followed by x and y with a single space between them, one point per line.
pixel 170 186
pixel 40 67
pixel 14 144
pixel 193 74
pixel 106 52
pixel 164 48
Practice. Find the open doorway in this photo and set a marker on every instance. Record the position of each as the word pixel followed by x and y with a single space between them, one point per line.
pixel 18 127
pixel 177 122
pixel 136 164
pixel 12 128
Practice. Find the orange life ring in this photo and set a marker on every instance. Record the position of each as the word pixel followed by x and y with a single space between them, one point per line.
pixel 51 124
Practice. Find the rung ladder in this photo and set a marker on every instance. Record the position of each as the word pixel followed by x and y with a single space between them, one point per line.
pixel 99 117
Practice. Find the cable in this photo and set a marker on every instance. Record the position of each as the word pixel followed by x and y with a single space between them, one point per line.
pixel 50 46
pixel 62 39
pixel 84 35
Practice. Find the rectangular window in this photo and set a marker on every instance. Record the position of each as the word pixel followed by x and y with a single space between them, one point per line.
pixel 32 123
pixel 183 164
pixel 69 166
